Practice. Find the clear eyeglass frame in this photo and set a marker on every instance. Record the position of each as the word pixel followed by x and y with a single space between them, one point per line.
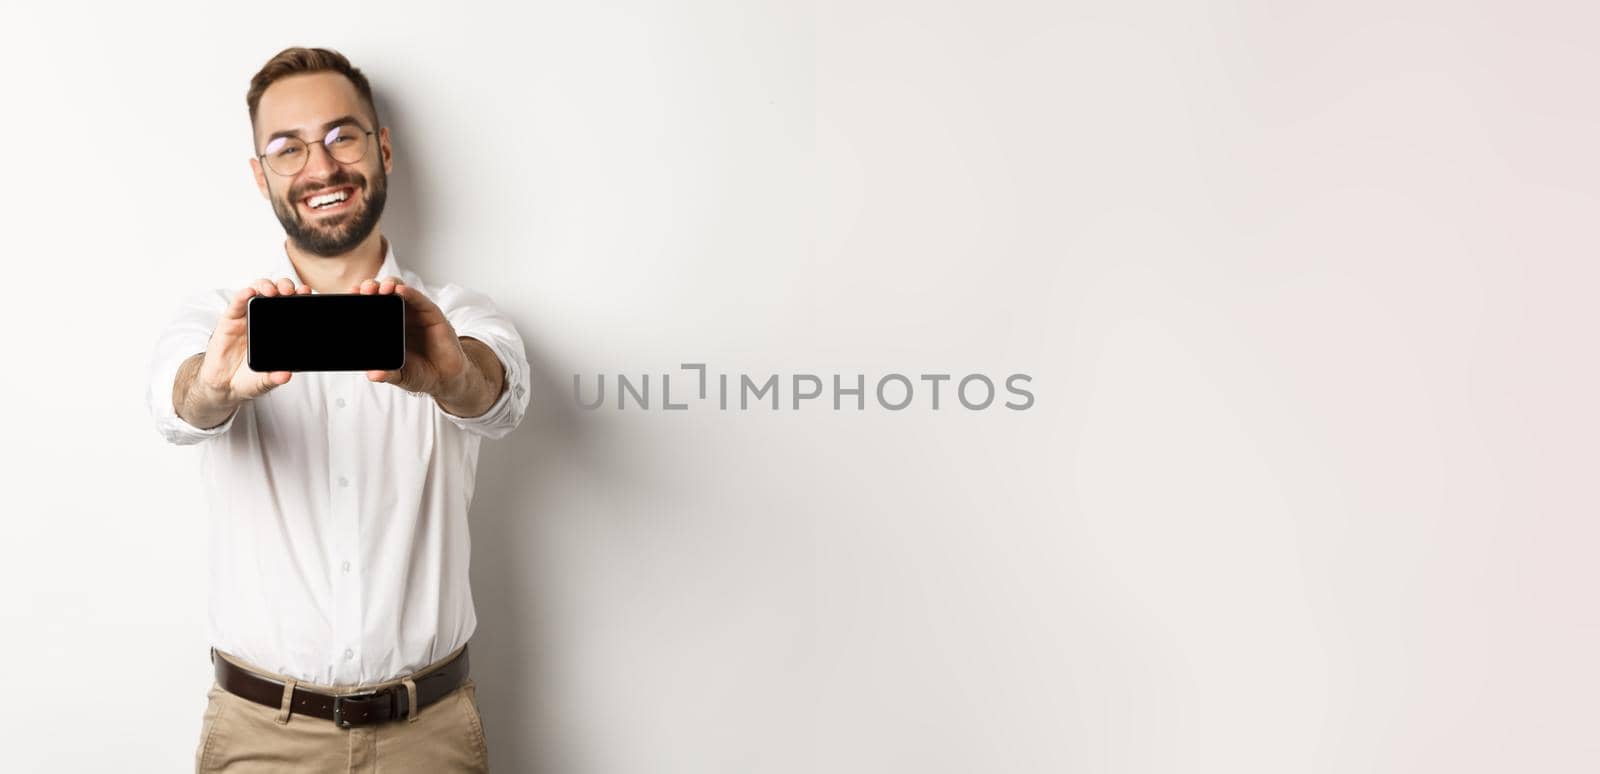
pixel 346 143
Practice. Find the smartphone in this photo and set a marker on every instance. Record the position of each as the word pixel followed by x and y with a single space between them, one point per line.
pixel 326 332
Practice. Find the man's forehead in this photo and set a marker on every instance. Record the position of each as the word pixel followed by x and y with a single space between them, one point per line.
pixel 303 103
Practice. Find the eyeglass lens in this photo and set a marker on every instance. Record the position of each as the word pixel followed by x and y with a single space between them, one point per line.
pixel 346 143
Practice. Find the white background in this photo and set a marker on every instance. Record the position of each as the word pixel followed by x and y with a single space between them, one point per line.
pixel 1306 293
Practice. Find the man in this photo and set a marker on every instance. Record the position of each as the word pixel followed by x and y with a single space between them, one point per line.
pixel 339 605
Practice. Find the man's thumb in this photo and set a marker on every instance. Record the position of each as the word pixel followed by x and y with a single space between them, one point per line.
pixel 273 379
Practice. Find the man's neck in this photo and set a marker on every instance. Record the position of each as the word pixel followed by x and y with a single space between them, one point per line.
pixel 338 273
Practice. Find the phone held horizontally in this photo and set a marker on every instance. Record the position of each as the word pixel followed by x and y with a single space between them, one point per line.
pixel 326 332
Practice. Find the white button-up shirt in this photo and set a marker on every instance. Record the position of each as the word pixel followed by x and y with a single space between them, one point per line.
pixel 338 530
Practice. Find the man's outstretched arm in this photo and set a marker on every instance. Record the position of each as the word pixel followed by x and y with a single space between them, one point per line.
pixel 194 396
pixel 483 382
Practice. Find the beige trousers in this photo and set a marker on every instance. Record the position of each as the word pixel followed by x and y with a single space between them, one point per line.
pixel 239 736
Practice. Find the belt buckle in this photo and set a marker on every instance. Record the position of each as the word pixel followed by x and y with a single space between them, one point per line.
pixel 338 706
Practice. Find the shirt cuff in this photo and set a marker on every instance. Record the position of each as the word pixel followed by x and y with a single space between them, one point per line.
pixel 178 430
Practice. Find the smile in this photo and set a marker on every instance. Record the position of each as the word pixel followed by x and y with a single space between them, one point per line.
pixel 330 200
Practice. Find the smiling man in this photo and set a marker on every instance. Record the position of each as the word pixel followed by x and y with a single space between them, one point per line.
pixel 340 606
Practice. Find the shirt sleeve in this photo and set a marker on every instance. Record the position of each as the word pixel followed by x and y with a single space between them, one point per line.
pixel 185 336
pixel 473 315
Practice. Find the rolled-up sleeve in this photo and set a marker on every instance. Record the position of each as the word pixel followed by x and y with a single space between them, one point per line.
pixel 473 315
pixel 185 336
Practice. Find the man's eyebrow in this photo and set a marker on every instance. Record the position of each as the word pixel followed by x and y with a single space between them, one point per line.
pixel 325 128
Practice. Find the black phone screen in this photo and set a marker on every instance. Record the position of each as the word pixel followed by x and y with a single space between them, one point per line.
pixel 326 332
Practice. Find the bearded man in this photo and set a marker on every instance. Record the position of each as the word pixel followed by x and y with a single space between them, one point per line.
pixel 340 607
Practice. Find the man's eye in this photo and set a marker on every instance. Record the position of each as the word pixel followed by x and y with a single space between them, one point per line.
pixel 341 139
pixel 287 152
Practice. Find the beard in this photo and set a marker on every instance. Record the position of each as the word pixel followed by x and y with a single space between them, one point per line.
pixel 342 234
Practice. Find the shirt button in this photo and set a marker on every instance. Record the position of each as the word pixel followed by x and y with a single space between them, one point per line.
pixel 349 654
pixel 345 567
pixel 339 403
pixel 344 481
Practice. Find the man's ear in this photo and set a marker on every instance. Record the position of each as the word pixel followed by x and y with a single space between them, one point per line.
pixel 386 150
pixel 261 177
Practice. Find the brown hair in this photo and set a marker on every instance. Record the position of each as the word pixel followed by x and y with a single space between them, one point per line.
pixel 297 60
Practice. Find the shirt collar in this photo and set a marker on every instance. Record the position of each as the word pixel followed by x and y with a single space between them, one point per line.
pixel 285 267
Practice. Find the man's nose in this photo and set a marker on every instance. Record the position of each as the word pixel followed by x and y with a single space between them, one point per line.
pixel 319 161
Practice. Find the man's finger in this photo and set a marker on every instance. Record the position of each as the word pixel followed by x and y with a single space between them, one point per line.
pixel 418 301
pixel 387 284
pixel 268 381
pixel 265 287
pixel 383 376
pixel 368 287
pixel 285 286
pixel 236 307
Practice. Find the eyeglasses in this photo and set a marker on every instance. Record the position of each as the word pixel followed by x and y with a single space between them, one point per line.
pixel 346 143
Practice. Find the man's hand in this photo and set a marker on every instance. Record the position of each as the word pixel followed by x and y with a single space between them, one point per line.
pixel 463 375
pixel 205 395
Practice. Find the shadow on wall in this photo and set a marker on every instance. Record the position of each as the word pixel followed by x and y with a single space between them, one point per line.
pixel 513 515
pixel 513 510
pixel 405 215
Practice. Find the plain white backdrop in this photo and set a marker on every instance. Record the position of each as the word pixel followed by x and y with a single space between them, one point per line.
pixel 1306 292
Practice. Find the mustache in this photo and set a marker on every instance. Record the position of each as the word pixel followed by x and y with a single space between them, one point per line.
pixel 342 177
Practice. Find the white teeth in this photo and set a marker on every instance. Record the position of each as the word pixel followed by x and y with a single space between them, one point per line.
pixel 326 199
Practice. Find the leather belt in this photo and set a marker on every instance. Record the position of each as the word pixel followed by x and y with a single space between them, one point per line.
pixel 346 710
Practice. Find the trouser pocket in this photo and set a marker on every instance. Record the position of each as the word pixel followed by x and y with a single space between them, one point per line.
pixel 208 727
